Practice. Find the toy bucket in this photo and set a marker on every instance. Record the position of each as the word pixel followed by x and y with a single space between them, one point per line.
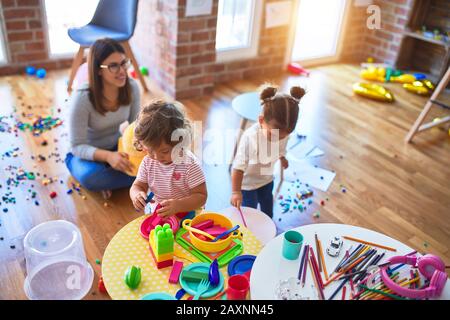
pixel 212 246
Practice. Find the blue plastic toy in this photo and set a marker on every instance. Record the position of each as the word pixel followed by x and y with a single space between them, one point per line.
pixel 41 73
pixel 214 276
pixel 30 70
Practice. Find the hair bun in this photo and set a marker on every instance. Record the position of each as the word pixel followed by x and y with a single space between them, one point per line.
pixel 268 92
pixel 297 92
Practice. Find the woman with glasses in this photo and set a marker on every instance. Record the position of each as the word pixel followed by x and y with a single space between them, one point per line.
pixel 97 111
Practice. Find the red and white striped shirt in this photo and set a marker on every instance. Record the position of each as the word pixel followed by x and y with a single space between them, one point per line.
pixel 172 181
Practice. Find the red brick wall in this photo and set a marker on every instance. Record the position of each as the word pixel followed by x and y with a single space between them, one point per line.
pixel 353 47
pixel 269 61
pixel 384 44
pixel 190 62
pixel 24 33
pixel 154 40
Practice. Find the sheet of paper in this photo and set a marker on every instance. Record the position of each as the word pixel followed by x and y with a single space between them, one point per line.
pixel 278 14
pixel 307 173
pixel 300 148
pixel 198 7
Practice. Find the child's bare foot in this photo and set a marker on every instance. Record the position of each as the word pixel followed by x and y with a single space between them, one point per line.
pixel 106 194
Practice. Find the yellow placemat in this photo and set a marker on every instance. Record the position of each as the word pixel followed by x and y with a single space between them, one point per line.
pixel 128 248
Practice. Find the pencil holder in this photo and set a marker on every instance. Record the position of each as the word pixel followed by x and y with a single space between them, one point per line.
pixel 292 244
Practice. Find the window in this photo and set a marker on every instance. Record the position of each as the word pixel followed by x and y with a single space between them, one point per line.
pixel 62 15
pixel 2 47
pixel 238 25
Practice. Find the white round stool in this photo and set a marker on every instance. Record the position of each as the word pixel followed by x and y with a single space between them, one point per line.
pixel 257 221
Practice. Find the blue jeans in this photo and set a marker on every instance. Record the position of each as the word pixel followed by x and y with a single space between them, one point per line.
pixel 262 195
pixel 97 176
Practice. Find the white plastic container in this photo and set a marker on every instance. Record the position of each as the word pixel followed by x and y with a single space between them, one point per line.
pixel 56 264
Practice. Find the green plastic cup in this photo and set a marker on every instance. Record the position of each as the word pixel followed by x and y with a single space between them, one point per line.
pixel 292 244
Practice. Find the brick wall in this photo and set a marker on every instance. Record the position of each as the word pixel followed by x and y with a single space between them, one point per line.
pixel 24 33
pixel 269 60
pixel 353 45
pixel 384 44
pixel 190 58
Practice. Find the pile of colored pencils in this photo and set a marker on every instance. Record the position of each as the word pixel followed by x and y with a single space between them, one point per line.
pixel 354 269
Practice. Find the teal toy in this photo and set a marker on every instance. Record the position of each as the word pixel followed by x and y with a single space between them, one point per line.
pixel 133 277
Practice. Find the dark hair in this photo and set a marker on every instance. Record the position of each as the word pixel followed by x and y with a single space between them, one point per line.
pixel 156 123
pixel 280 107
pixel 99 52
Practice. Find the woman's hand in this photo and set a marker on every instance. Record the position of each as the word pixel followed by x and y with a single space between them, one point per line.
pixel 139 201
pixel 169 208
pixel 236 199
pixel 284 162
pixel 119 161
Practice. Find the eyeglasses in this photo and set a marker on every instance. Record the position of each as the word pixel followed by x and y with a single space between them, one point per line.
pixel 115 67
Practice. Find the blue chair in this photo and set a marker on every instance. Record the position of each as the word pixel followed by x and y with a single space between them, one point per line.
pixel 115 19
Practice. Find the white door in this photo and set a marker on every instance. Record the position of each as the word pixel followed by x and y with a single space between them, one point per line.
pixel 317 31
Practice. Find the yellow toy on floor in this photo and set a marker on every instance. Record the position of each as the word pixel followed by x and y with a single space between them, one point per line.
pixel 374 74
pixel 125 144
pixel 373 91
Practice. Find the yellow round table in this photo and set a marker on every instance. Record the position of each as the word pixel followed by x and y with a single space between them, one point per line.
pixel 129 248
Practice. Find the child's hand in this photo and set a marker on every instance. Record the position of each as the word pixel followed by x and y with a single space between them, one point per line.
pixel 236 199
pixel 284 162
pixel 139 201
pixel 169 208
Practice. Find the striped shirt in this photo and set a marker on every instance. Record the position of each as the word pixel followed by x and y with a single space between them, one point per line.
pixel 172 181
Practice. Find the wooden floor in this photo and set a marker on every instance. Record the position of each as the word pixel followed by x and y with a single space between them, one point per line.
pixel 397 189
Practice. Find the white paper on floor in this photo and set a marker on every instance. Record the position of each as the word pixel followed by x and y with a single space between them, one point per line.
pixel 307 173
pixel 301 148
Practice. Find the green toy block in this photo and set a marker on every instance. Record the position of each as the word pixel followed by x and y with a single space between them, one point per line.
pixel 195 276
pixel 164 239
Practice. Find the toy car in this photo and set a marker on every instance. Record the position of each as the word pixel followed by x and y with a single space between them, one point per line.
pixel 334 246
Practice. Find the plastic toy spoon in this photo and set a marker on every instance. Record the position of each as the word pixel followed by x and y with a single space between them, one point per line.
pixel 220 236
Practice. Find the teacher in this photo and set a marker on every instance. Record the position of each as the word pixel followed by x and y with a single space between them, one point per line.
pixel 97 110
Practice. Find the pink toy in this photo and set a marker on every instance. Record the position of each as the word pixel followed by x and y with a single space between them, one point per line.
pixel 176 271
pixel 431 266
pixel 297 69
pixel 204 225
pixel 215 231
pixel 148 224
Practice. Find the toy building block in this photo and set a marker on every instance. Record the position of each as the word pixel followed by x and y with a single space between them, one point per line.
pixel 162 264
pixel 176 271
pixel 195 276
pixel 164 239
pixel 161 241
pixel 204 224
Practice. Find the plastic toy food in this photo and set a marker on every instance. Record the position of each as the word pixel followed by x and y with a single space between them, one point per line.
pixel 335 246
pixel 133 277
pixel 417 87
pixel 373 91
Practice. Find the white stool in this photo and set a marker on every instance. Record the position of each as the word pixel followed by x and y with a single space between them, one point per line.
pixel 257 221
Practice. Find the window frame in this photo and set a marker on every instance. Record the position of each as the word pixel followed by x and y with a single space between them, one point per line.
pixel 234 54
pixel 3 45
pixel 67 55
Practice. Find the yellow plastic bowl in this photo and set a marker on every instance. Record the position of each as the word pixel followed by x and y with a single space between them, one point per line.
pixel 212 246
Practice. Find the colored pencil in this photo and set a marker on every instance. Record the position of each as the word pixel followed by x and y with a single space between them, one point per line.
pixel 305 266
pixel 344 289
pixel 316 278
pixel 301 264
pixel 317 250
pixel 370 243
pixel 338 289
pixel 323 260
pixel 342 272
pixel 393 296
pixel 347 254
pixel 242 217
pixel 353 256
pixel 319 276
